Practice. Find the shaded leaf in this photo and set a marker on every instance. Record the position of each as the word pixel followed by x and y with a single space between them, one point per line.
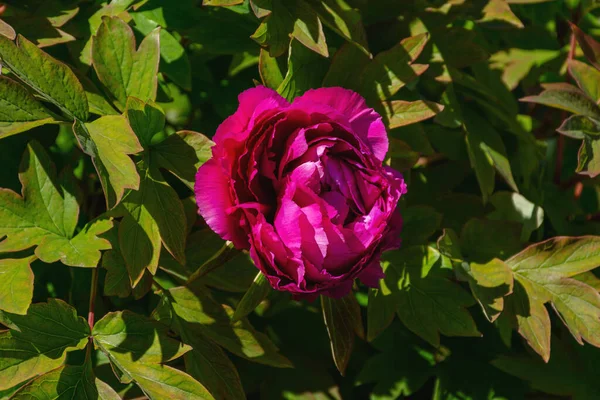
pixel 490 283
pixel 401 113
pixel 182 154
pixel 579 127
pixel 195 306
pixel 37 342
pixel 253 297
pixel 343 321
pixel 305 71
pixel 66 382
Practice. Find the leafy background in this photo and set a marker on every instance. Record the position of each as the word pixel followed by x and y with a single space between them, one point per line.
pixel 106 112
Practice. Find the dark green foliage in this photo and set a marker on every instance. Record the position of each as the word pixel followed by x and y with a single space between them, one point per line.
pixel 101 105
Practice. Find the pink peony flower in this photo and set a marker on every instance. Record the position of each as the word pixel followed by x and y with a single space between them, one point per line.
pixel 302 186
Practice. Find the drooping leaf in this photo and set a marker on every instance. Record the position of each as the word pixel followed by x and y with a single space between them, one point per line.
pixel 37 342
pixel 16 285
pixel 50 78
pixel 590 47
pixel 124 70
pixel 109 141
pixel 343 321
pixel 253 297
pixel 46 216
pixel 19 111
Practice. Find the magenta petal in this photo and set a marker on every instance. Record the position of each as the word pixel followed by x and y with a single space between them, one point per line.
pixel 235 126
pixel 366 122
pixel 214 200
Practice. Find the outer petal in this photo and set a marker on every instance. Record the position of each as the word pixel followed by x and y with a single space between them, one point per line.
pixel 214 200
pixel 366 123
pixel 250 101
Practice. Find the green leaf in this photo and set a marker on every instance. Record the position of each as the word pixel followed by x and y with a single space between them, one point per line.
pixel 588 157
pixel 579 127
pixel 486 153
pixel 566 97
pixel 515 207
pixel 400 113
pixel 109 141
pixel 174 60
pixel 344 20
pixel 270 72
pixel 50 78
pixel 484 239
pixel 259 290
pixel 343 321
pixel 590 47
pixel 569 373
pixel 37 342
pixel 419 223
pixel 490 283
pixel 19 111
pixel 458 46
pixel 182 154
pixel 213 320
pixel 221 3
pixel 146 119
pixel 427 303
pixel 46 216
pixel 588 78
pixel 305 71
pixel 154 215
pixel 381 307
pixel 291 19
pixel 499 10
pixel 543 272
pixel 16 285
pixel 65 383
pixel 339 74
pixel 138 347
pixel 124 70
pixel 206 362
pixel 391 70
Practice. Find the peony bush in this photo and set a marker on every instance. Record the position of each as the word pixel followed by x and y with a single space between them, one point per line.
pixel 299 199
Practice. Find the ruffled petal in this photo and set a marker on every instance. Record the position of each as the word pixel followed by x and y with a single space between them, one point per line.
pixel 365 122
